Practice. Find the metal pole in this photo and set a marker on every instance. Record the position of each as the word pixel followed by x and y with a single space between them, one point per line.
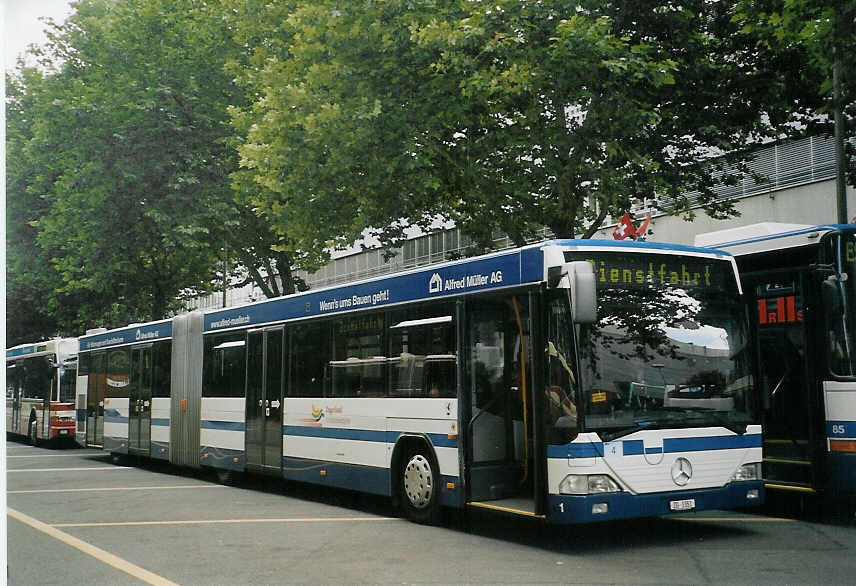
pixel 840 163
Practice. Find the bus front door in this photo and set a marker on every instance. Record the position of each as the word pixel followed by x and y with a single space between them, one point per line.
pixel 95 400
pixel 791 460
pixel 500 458
pixel 140 401
pixel 264 401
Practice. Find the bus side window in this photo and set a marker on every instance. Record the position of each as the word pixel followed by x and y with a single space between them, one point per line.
pixel 423 356
pixel 310 351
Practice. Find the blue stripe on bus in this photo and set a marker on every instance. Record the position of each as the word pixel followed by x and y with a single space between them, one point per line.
pixel 143 333
pixel 840 429
pixel 222 425
pixel 364 435
pixel 702 444
pixel 222 458
pixel 113 416
pixel 670 446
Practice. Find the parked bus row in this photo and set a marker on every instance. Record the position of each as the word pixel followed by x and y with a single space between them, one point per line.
pixel 573 381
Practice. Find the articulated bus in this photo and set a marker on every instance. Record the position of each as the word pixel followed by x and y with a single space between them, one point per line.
pixel 801 284
pixel 572 381
pixel 40 386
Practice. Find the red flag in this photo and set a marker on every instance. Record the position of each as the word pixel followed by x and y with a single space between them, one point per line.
pixel 624 229
pixel 643 227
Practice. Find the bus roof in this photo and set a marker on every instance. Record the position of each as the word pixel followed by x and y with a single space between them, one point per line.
pixel 766 236
pixel 496 270
pixel 133 333
pixel 62 347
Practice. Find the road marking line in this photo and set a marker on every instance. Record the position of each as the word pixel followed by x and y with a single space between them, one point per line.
pixel 96 552
pixel 70 469
pixel 119 488
pixel 228 521
pixel 49 456
pixel 734 519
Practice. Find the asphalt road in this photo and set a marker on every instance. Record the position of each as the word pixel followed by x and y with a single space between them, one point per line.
pixel 77 518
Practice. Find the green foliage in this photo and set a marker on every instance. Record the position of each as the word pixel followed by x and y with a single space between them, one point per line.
pixel 508 115
pixel 161 136
pixel 126 159
pixel 347 125
pixel 813 35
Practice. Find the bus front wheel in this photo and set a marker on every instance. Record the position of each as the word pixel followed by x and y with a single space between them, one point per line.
pixel 420 489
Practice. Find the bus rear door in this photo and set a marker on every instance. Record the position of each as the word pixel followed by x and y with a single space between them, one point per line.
pixel 140 401
pixel 263 435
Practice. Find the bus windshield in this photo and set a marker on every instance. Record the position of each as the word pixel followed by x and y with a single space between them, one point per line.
pixel 669 348
pixel 839 304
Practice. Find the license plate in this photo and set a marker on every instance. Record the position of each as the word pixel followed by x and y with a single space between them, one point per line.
pixel 682 505
pixel 63 432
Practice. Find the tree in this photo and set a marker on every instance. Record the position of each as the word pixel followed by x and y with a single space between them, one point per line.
pixel 29 271
pixel 346 123
pixel 576 111
pixel 509 115
pixel 820 36
pixel 125 161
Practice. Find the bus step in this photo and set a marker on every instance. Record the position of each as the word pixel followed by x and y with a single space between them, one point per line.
pixel 514 506
pixel 788 461
pixel 790 486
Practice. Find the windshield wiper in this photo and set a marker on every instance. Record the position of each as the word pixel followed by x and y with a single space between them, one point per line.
pixel 637 425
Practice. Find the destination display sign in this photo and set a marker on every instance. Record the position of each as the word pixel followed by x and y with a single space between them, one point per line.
pixel 151 332
pixel 633 271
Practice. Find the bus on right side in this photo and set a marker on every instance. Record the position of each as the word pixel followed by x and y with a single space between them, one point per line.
pixel 800 282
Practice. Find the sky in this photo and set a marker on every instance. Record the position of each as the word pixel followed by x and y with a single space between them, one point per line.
pixel 21 24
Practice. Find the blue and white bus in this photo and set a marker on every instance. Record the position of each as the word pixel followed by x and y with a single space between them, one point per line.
pixel 800 283
pixel 573 381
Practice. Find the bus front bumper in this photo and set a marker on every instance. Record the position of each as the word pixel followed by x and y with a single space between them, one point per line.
pixel 623 505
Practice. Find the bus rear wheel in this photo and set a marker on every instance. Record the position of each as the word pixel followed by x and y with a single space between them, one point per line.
pixel 419 485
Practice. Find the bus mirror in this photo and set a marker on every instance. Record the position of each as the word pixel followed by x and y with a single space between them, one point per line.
pixel 583 293
pixel 556 277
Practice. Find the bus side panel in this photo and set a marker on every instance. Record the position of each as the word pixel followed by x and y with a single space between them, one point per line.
pixel 116 425
pixel 348 442
pixel 160 428
pixel 840 404
pixel 221 434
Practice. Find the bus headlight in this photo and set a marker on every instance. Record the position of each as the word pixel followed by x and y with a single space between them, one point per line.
pixel 588 484
pixel 747 472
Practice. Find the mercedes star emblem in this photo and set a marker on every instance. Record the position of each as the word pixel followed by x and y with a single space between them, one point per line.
pixel 682 471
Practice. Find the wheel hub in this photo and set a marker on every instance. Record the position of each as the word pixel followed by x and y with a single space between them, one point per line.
pixel 418 481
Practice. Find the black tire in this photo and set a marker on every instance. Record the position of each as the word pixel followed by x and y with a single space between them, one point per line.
pixel 419 486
